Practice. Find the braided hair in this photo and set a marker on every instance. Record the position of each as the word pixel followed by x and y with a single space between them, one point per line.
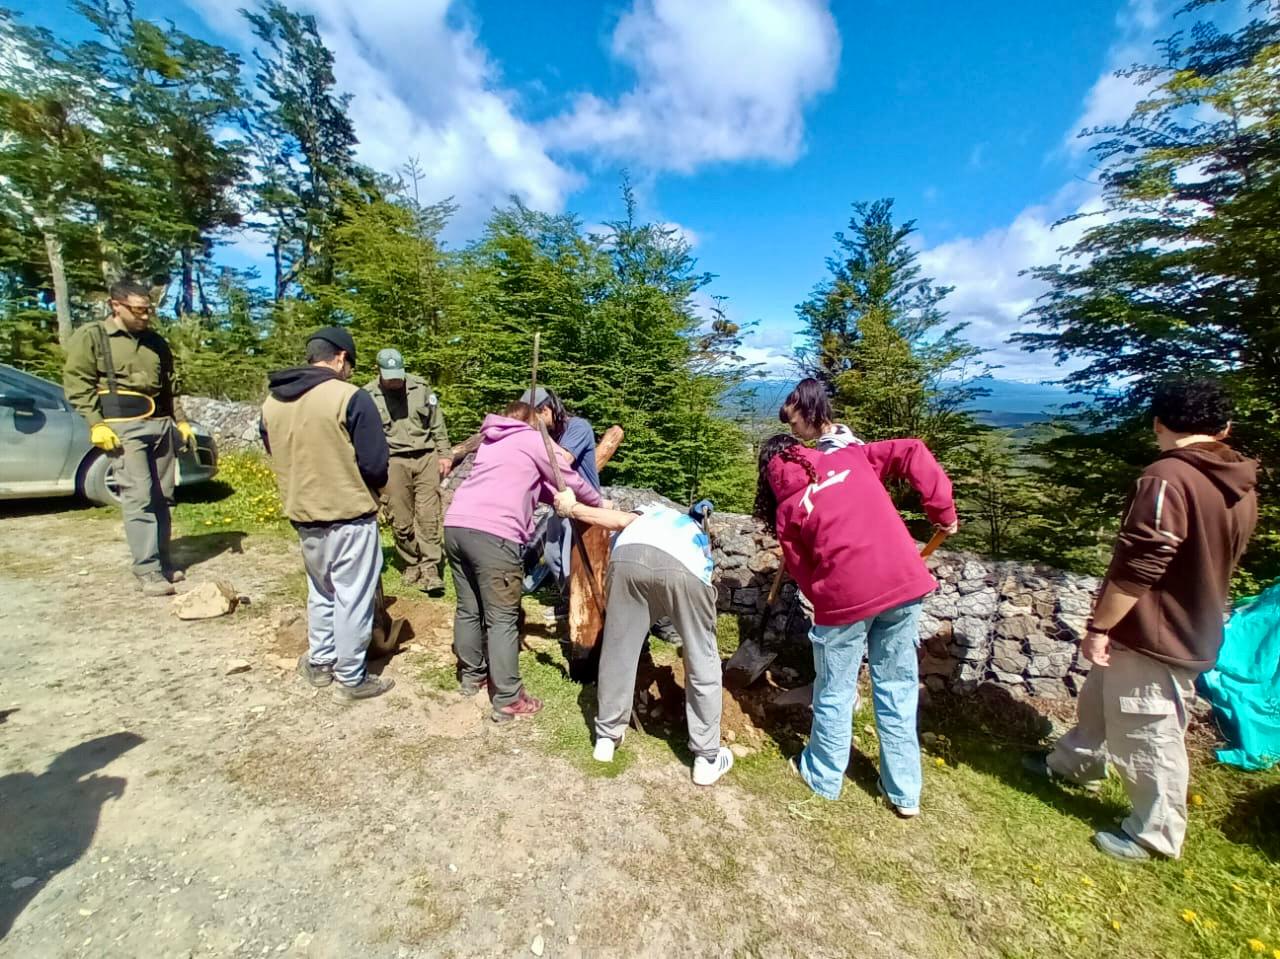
pixel 790 449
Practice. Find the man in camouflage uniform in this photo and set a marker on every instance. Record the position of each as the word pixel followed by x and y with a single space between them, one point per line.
pixel 420 459
pixel 119 376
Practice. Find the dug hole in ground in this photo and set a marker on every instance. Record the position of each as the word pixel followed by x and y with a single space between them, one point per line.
pixel 161 799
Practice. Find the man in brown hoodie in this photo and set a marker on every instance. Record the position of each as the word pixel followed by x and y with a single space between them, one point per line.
pixel 1157 623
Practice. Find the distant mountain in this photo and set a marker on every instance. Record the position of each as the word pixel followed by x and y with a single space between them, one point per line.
pixel 1008 403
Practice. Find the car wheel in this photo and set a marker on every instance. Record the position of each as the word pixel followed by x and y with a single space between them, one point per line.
pixel 98 483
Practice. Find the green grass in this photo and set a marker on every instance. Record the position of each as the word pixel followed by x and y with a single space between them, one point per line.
pixel 1005 857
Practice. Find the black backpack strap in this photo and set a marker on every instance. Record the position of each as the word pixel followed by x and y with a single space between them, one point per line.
pixel 104 354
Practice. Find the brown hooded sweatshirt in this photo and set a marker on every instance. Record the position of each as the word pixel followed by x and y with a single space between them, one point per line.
pixel 1188 523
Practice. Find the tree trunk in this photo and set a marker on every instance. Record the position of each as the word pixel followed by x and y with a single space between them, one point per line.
pixel 185 302
pixel 61 297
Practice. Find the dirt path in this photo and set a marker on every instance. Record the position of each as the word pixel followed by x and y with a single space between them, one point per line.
pixel 152 805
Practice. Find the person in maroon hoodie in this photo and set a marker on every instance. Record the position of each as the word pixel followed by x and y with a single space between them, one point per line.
pixel 850 553
pixel 1157 622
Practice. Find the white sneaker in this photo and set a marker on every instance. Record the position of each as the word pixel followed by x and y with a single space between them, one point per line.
pixel 707 771
pixel 603 753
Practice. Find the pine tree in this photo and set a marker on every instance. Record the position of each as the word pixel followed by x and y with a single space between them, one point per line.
pixel 1181 275
pixel 877 335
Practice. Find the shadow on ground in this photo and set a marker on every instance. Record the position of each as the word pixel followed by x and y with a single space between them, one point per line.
pixel 192 550
pixel 50 819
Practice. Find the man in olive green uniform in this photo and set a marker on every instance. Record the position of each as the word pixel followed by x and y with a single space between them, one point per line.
pixel 119 376
pixel 420 459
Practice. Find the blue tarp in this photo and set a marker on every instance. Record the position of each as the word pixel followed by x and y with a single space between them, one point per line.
pixel 1244 688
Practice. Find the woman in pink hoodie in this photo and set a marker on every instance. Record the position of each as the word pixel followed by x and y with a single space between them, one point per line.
pixel 485 531
pixel 851 555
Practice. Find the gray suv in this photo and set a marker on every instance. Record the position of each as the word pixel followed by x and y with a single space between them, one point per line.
pixel 45 448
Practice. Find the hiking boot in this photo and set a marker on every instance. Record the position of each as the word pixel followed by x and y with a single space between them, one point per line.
pixel 154 584
pixel 318 676
pixel 432 586
pixel 470 687
pixel 902 812
pixel 707 771
pixel 367 688
pixel 524 707
pixel 1038 765
pixel 175 575
pixel 1118 845
pixel 411 575
pixel 603 753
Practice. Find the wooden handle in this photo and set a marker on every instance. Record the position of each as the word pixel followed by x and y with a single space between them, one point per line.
pixel 939 536
pixel 776 587
pixel 607 446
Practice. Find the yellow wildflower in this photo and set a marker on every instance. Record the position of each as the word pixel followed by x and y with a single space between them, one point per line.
pixel 1256 945
pixel 1188 915
pixel 1115 925
pixel 939 762
pixel 1275 954
pixel 1210 924
pixel 1086 881
pixel 1197 799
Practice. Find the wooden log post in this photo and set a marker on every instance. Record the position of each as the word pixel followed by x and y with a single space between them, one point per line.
pixel 586 619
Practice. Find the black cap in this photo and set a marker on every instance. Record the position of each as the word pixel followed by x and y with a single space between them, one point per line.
pixel 339 338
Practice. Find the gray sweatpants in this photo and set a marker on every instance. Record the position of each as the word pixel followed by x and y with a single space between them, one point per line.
pixel 644 585
pixel 343 562
pixel 1135 713
pixel 146 469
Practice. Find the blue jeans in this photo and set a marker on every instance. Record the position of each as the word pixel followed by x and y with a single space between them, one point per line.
pixel 890 639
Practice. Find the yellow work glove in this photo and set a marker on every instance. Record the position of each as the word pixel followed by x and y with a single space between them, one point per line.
pixel 187 434
pixel 104 437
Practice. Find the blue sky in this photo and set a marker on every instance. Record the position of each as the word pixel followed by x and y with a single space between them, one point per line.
pixel 750 124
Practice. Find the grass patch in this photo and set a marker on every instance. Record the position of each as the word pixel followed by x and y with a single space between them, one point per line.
pixel 1004 858
pixel 243 498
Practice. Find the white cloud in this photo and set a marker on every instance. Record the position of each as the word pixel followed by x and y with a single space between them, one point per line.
pixel 1111 99
pixel 423 86
pixel 992 291
pixel 715 80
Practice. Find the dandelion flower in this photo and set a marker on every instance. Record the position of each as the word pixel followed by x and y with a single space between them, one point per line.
pixel 1115 925
pixel 939 762
pixel 1188 915
pixel 1197 799
pixel 1256 945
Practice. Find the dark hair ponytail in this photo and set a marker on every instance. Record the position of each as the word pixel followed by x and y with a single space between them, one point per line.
pixel 810 400
pixel 784 445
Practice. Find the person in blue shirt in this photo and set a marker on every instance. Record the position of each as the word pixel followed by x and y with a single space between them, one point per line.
pixel 660 567
pixel 553 544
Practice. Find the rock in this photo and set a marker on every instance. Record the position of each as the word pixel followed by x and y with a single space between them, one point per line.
pixel 746 597
pixel 932 666
pixel 237 666
pixel 741 751
pixel 1048 688
pixel 206 601
pixel 981 603
pixel 282 663
pixel 765 561
pixel 23 883
pixel 537 946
